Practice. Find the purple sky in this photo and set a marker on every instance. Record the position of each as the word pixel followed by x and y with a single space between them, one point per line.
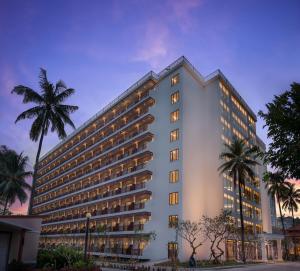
pixel 101 47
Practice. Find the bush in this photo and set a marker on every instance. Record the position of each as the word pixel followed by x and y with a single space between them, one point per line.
pixel 59 257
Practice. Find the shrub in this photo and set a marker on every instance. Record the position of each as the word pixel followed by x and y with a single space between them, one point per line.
pixel 59 257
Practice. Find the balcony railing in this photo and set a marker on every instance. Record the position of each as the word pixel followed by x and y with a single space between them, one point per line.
pixel 97 143
pixel 107 194
pixel 114 178
pixel 93 169
pixel 97 214
pixel 107 123
pixel 109 229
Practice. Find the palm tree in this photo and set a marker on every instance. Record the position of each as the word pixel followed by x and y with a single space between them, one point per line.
pixel 13 176
pixel 49 111
pixel 277 187
pixel 239 160
pixel 291 199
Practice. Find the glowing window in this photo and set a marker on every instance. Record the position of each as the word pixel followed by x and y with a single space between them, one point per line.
pixel 175 79
pixel 175 97
pixel 174 116
pixel 174 135
pixel 174 176
pixel 173 198
pixel 174 155
pixel 173 221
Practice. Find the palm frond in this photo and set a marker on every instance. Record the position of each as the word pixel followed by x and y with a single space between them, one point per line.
pixel 29 95
pixel 30 113
pixel 64 95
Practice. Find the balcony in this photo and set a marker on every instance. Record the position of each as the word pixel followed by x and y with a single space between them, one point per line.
pixel 103 213
pixel 145 121
pixel 93 231
pixel 126 173
pixel 95 168
pixel 88 136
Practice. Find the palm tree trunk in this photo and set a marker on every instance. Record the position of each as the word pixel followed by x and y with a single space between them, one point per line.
pixel 5 206
pixel 242 224
pixel 294 241
pixel 282 224
pixel 35 169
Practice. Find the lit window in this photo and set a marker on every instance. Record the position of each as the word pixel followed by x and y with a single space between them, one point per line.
pixel 174 135
pixel 228 202
pixel 173 221
pixel 175 79
pixel 174 155
pixel 175 97
pixel 172 250
pixel 174 176
pixel 174 116
pixel 173 198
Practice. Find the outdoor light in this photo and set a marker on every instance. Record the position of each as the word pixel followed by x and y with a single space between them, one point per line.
pixel 88 216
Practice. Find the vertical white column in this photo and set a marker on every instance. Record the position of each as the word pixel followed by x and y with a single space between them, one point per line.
pixel 263 250
pixel 279 250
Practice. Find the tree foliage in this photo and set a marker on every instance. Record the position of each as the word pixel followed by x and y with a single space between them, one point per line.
pixel 13 175
pixel 239 162
pixel 282 120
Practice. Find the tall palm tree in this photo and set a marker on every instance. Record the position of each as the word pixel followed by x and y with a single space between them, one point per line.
pixel 13 176
pixel 291 199
pixel 277 188
pixel 239 160
pixel 49 111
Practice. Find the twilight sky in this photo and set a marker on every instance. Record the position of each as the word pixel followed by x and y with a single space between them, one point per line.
pixel 100 48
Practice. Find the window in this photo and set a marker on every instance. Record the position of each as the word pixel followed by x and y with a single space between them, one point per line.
pixel 174 116
pixel 172 250
pixel 173 198
pixel 173 221
pixel 174 135
pixel 174 155
pixel 174 176
pixel 175 97
pixel 175 79
pixel 228 202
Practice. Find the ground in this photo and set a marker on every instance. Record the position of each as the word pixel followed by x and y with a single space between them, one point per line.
pixel 267 267
pixel 255 267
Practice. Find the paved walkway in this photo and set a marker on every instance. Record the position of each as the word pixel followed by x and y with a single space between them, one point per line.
pixel 265 267
pixel 255 267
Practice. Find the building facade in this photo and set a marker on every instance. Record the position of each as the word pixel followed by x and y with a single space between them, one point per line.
pixel 149 158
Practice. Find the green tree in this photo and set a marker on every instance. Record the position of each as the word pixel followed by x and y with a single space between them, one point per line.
pixel 13 176
pixel 239 160
pixel 277 187
pixel 282 120
pixel 291 199
pixel 48 113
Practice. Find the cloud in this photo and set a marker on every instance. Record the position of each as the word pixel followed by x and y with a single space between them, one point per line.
pixel 181 12
pixel 158 42
pixel 154 45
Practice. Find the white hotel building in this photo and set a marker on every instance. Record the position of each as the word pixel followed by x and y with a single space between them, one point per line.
pixel 149 157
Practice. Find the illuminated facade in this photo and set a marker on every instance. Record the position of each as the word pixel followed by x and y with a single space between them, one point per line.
pixel 148 158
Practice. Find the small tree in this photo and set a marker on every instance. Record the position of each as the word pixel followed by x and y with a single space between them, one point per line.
pixel 218 229
pixel 192 232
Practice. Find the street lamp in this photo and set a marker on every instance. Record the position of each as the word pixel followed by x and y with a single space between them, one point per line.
pixel 87 226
